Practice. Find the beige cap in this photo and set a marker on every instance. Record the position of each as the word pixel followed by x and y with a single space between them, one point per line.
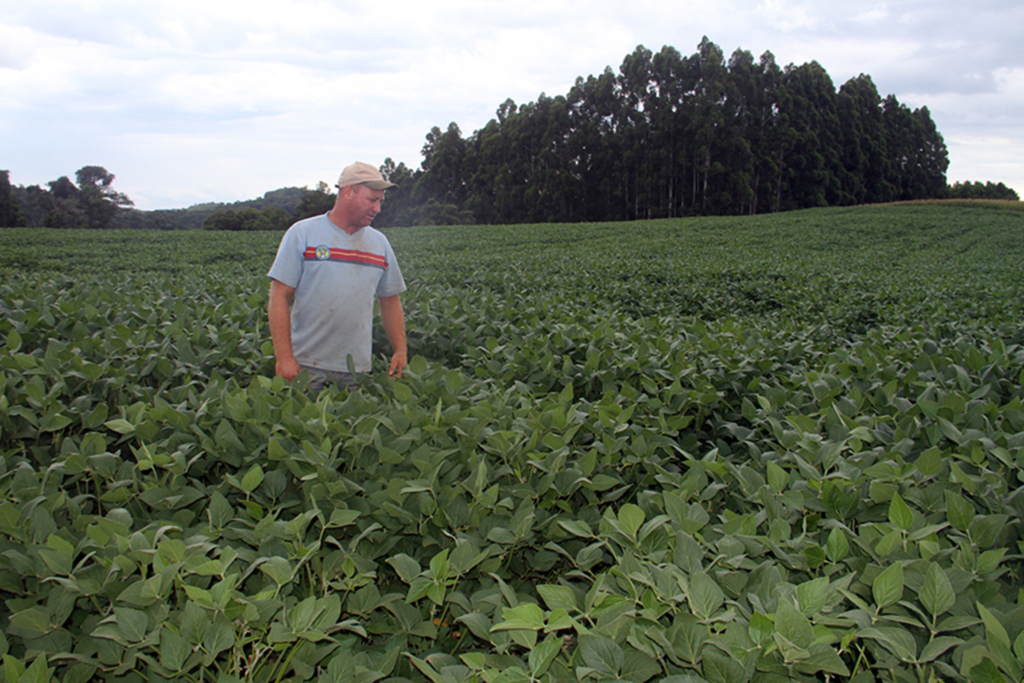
pixel 363 174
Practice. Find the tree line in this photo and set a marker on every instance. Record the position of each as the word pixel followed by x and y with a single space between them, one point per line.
pixel 665 136
pixel 92 203
pixel 670 135
pixel 977 190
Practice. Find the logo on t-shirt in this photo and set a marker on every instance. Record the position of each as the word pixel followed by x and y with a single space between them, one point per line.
pixel 323 253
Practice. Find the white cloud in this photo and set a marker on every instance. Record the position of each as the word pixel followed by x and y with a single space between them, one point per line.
pixel 191 100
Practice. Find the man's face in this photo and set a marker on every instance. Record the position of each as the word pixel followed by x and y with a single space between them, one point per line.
pixel 363 204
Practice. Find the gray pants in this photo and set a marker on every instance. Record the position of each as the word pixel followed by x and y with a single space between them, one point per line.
pixel 319 378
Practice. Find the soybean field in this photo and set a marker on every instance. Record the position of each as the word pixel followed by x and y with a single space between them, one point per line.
pixel 767 448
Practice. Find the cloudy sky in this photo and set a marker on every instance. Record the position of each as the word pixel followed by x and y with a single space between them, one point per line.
pixel 189 101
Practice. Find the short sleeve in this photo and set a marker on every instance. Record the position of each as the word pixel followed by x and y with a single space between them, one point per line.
pixel 392 282
pixel 287 267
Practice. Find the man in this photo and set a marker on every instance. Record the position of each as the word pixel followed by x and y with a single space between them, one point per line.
pixel 323 283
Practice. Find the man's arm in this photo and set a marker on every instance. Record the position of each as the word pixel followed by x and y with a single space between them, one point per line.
pixel 279 312
pixel 394 325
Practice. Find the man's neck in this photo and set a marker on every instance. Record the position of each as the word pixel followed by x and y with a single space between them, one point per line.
pixel 341 225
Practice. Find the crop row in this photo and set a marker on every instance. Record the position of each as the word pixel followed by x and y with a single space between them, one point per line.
pixel 607 461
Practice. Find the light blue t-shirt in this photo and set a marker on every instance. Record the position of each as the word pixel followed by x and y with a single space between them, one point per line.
pixel 336 277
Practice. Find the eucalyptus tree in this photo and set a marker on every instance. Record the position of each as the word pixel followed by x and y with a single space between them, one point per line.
pixel 443 157
pixel 669 116
pixel 755 89
pixel 865 152
pixel 918 151
pixel 637 160
pixel 594 147
pixel 398 207
pixel 812 163
pixel 710 77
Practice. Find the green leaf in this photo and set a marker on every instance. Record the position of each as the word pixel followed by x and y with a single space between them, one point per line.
pixel 59 562
pixel 705 596
pixel 402 392
pixel 427 670
pixel 543 654
pixel 936 594
pixel 999 642
pixel 122 427
pixel 200 596
pixel 252 479
pixel 219 638
pixel 793 626
pixel 37 672
pixel 558 597
pixel 985 530
pixel 675 507
pixel 959 511
pixel 937 646
pixel 559 620
pixel 436 593
pixel 13 341
pixel 277 569
pixel 814 556
pixel 527 616
pixel 930 462
pixel 131 623
pixel 406 567
pixel 631 518
pixel 760 629
pixel 174 650
pixel 601 655
pixel 812 595
pixel 55 422
pixel 577 528
pixel 899 641
pixel 439 566
pixel 900 515
pixel 778 478
pixel 719 667
pixel 822 658
pixel 34 622
pixel 889 543
pixel 989 560
pixel 501 535
pixel 986 672
pixel 478 624
pixel 887 587
pixel 342 517
pixel 13 668
pixel 420 587
pixel 837 547
pixel 300 617
pixel 220 511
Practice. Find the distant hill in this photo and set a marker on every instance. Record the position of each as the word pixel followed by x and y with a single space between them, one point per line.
pixel 286 198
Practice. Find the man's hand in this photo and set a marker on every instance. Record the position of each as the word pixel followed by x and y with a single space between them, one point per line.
pixel 398 363
pixel 281 329
pixel 394 326
pixel 287 368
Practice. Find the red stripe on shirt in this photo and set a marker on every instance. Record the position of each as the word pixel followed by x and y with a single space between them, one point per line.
pixel 349 256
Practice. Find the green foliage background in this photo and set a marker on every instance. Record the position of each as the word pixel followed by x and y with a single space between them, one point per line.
pixel 768 449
